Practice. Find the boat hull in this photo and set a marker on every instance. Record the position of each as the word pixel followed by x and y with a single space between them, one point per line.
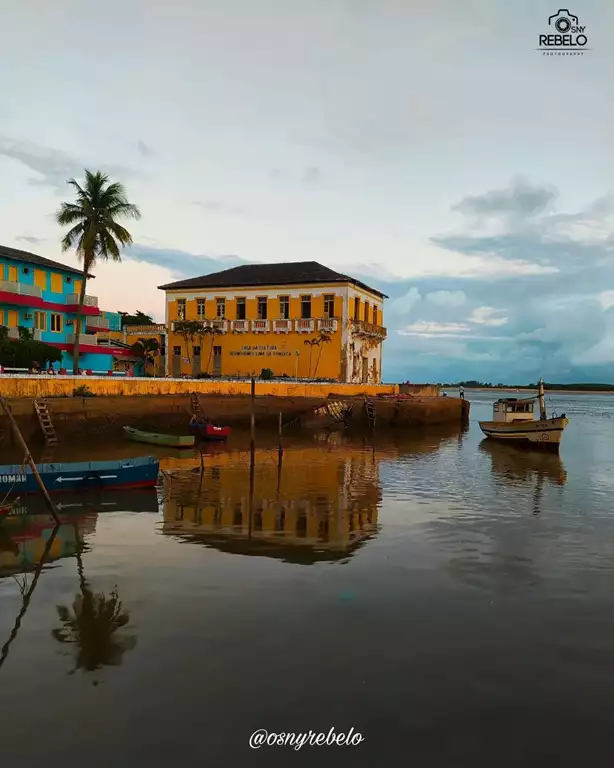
pixel 544 434
pixel 210 432
pixel 151 438
pixel 81 476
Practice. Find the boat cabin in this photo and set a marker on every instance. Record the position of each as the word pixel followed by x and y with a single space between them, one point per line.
pixel 513 409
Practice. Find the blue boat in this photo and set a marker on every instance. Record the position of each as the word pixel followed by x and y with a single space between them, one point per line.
pixel 141 472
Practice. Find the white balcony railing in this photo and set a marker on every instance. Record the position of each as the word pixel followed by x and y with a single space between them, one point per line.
pixel 220 325
pixel 24 290
pixel 98 322
pixel 282 326
pixel 327 325
pixel 239 326
pixel 144 330
pixel 304 326
pixel 14 333
pixel 260 326
pixel 84 338
pixel 72 299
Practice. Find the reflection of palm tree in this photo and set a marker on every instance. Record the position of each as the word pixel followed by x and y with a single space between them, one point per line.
pixel 92 625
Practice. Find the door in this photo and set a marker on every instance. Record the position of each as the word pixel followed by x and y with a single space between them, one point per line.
pixel 13 274
pixel 365 370
pixel 217 361
pixel 195 361
pixel 176 362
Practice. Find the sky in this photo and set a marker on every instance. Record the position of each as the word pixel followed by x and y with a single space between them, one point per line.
pixel 426 148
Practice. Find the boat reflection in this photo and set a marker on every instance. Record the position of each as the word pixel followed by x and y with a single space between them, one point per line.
pixel 313 505
pixel 24 540
pixel 516 466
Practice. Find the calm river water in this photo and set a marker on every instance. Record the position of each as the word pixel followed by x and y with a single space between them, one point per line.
pixel 451 601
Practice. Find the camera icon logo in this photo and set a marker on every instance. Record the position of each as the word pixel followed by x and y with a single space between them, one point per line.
pixel 563 21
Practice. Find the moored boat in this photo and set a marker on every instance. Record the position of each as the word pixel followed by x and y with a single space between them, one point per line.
pixel 514 422
pixel 153 438
pixel 208 431
pixel 79 476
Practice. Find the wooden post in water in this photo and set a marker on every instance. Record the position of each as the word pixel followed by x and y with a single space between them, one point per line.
pixel 28 458
pixel 252 456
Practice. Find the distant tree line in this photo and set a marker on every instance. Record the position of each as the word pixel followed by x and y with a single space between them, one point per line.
pixel 583 387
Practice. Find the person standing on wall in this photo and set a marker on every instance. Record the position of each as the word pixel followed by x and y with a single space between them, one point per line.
pixel 461 391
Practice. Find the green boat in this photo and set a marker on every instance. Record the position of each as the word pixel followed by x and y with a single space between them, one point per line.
pixel 170 441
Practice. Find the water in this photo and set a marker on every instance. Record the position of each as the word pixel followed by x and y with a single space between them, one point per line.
pixel 451 600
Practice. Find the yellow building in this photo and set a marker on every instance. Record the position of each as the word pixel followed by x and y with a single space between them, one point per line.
pixel 299 319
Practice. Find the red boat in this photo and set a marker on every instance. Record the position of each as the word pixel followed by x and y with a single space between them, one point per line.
pixel 5 509
pixel 208 431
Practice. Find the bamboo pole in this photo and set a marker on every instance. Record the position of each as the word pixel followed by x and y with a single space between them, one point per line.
pixel 28 458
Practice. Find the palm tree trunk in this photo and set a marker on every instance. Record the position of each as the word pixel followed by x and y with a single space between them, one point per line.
pixel 210 354
pixel 310 351
pixel 315 370
pixel 75 350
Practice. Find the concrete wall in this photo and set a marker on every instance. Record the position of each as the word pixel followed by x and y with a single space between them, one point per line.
pixel 422 390
pixel 62 386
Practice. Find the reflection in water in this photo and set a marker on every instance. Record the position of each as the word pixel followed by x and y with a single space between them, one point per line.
pixel 514 466
pixel 31 542
pixel 313 505
pixel 26 592
pixel 93 623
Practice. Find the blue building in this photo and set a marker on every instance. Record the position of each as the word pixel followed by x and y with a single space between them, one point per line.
pixel 43 295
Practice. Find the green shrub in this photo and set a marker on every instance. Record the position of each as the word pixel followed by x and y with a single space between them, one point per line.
pixel 22 354
pixel 266 373
pixel 82 391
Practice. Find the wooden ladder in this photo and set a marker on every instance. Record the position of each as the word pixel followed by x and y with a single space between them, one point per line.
pixel 195 402
pixel 371 412
pixel 44 419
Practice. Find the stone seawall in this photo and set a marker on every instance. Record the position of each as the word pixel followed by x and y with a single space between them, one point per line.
pixel 105 416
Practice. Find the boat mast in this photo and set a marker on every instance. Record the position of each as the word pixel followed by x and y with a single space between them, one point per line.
pixel 542 405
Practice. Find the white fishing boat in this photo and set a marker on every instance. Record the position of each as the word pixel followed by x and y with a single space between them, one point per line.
pixel 514 422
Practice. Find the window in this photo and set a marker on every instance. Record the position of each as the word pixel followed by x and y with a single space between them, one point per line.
pixel 366 311
pixel 356 308
pixel 177 351
pixel 200 309
pixel 26 270
pixel 56 323
pixel 220 308
pixel 329 305
pixel 69 279
pixel 284 307
pixel 196 351
pixel 374 315
pixel 217 351
pixel 306 307
pixel 40 321
pixel 262 308
pixel 241 314
pixel 181 309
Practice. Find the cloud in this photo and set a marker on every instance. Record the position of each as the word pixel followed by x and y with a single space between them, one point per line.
pixel 32 240
pixel 447 298
pixel 486 316
pixel 181 263
pixel 215 206
pixel 52 166
pixel 424 328
pixel 311 176
pixel 143 149
pixel 520 200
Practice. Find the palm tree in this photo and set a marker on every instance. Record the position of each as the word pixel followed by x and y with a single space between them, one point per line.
pixel 94 229
pixel 322 339
pixel 317 341
pixel 212 332
pixel 147 348
pixel 92 624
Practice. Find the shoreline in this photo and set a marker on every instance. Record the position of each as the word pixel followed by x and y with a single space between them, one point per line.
pixel 529 391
